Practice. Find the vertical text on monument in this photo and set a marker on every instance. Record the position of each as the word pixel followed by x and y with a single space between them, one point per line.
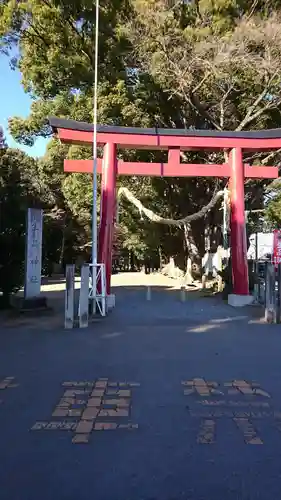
pixel 33 253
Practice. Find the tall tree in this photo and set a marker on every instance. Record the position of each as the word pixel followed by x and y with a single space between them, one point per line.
pixel 201 64
pixel 17 193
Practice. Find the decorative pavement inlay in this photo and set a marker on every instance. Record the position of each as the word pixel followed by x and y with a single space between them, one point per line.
pixel 96 404
pixel 210 401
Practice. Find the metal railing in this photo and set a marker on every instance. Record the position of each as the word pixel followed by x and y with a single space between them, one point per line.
pixel 97 287
pixel 92 292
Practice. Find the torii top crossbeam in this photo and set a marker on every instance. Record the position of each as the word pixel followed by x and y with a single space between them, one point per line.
pixel 175 141
pixel 74 132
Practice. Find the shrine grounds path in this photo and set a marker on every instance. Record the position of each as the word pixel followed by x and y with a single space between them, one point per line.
pixel 200 381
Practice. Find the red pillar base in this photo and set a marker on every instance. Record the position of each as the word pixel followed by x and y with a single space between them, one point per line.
pixel 238 225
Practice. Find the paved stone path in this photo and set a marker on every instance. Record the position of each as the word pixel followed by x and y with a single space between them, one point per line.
pixel 162 400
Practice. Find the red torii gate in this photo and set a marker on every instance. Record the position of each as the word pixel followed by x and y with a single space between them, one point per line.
pixel 175 141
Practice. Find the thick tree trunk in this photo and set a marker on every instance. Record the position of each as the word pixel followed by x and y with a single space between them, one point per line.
pixel 192 253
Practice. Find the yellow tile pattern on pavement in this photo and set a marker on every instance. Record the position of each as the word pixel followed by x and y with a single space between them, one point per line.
pixel 101 405
pixel 92 401
pixel 206 434
pixel 251 402
pixel 249 432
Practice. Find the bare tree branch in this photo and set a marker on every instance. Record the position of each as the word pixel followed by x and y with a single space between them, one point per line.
pixel 250 116
pixel 199 85
pixel 196 104
pixel 252 10
pixel 270 156
pixel 257 114
pixel 197 7
pixel 222 107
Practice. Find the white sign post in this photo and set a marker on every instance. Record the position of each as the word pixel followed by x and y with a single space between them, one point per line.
pixel 33 256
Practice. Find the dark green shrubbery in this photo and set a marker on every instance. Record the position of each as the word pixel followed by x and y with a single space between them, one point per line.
pixel 15 197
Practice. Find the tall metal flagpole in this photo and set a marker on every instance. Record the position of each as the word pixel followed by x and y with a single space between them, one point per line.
pixel 94 208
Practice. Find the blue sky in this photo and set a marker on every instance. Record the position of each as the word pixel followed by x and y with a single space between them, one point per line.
pixel 15 102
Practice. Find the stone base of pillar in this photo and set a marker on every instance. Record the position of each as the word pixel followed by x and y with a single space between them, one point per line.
pixel 235 300
pixel 35 304
pixel 110 301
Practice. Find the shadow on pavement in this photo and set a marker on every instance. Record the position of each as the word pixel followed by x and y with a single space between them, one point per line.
pixel 166 304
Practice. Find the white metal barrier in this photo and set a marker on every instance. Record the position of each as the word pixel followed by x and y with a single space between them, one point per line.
pixel 97 287
pixel 93 287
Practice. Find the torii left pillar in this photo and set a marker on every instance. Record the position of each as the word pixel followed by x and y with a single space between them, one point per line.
pixel 107 213
pixel 240 295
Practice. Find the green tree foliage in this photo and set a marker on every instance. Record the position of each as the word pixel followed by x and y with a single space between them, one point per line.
pixel 201 64
pixel 17 193
pixel 221 58
pixel 67 202
pixel 273 206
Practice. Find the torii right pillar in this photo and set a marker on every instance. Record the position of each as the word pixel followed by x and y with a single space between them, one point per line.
pixel 240 278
